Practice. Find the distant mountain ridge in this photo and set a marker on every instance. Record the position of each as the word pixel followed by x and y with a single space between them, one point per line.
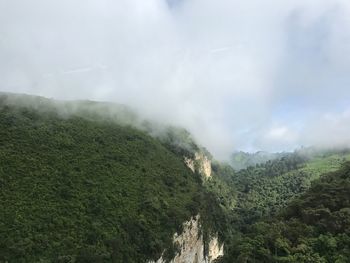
pixel 240 160
pixel 313 228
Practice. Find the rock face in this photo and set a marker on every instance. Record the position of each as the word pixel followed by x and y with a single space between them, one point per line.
pixel 191 245
pixel 215 249
pixel 190 164
pixel 190 242
pixel 201 163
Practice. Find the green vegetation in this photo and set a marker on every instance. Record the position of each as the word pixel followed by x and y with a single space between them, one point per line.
pixel 266 188
pixel 242 160
pixel 74 189
pixel 256 231
pixel 85 182
pixel 314 227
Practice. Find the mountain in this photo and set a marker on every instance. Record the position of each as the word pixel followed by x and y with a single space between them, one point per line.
pixel 269 190
pixel 240 160
pixel 86 182
pixel 268 187
pixel 314 227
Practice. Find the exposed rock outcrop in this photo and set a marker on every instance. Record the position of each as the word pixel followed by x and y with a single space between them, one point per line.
pixel 191 245
pixel 190 164
pixel 200 163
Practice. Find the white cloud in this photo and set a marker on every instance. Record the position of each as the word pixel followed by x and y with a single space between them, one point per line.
pixel 278 132
pixel 277 138
pixel 219 68
pixel 330 130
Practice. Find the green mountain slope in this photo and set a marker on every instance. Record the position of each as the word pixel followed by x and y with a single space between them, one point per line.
pixel 242 160
pixel 85 182
pixel 263 192
pixel 266 188
pixel 313 228
pixel 74 189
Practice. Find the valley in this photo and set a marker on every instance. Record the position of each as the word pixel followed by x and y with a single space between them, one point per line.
pixel 93 182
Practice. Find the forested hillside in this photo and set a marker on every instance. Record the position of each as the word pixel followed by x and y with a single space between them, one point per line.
pixel 241 160
pixel 266 188
pixel 314 227
pixel 271 196
pixel 92 182
pixel 75 189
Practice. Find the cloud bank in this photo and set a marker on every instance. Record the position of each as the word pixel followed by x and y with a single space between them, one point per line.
pixel 252 75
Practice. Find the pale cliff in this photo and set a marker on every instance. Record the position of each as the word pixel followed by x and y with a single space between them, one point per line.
pixel 191 245
pixel 200 163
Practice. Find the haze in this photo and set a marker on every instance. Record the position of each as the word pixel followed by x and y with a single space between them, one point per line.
pixel 240 75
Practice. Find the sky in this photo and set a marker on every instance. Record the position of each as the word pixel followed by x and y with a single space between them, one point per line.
pixel 238 74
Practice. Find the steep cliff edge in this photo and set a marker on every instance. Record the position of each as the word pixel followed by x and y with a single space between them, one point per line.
pixel 79 185
pixel 200 163
pixel 191 246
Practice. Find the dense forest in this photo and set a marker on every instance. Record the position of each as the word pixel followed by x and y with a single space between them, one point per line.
pixel 314 227
pixel 292 209
pixel 241 160
pixel 75 189
pixel 91 182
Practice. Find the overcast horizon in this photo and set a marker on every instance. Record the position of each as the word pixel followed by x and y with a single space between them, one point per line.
pixel 239 75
